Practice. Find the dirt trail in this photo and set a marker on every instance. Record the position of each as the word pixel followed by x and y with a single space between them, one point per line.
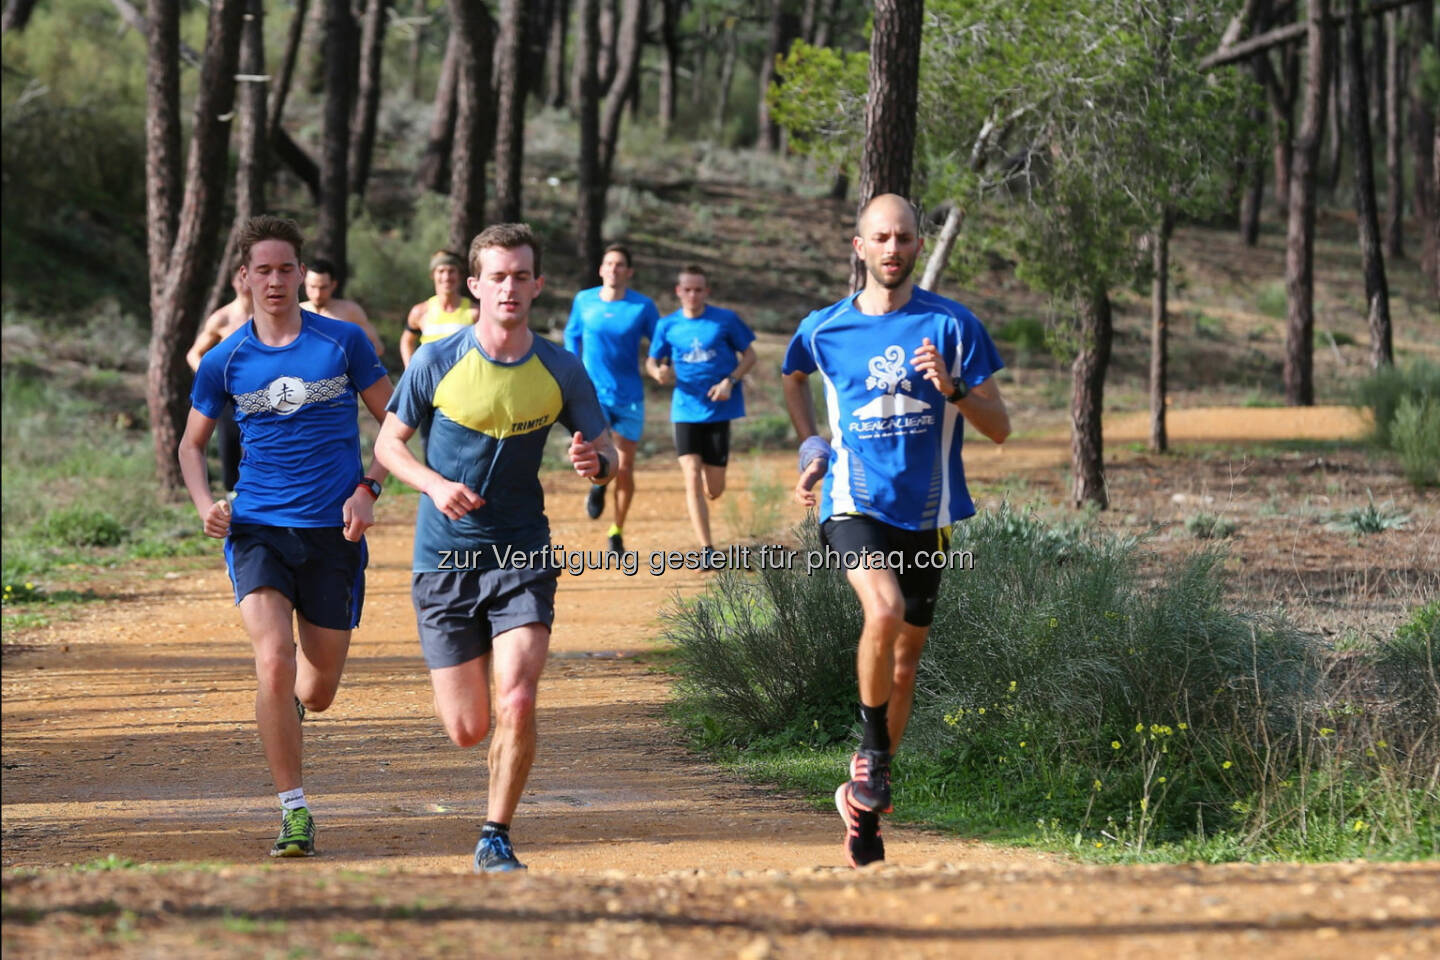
pixel 129 731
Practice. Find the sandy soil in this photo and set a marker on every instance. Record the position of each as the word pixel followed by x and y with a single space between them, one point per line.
pixel 128 732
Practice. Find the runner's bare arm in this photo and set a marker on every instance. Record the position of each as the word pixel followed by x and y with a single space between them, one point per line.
pixel 409 339
pixel 215 515
pixel 661 373
pixel 206 337
pixel 361 320
pixel 453 499
pixel 802 414
pixel 376 397
pixel 720 392
pixel 982 405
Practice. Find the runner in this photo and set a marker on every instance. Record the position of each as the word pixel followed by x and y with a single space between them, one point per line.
pixel 484 579
pixel 294 545
pixel 320 283
pixel 217 327
pixel 901 366
pixel 607 324
pixel 449 311
pixel 704 352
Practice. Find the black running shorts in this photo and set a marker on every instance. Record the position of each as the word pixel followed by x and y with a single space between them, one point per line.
pixel 460 612
pixel 710 440
pixel 316 568
pixel 853 535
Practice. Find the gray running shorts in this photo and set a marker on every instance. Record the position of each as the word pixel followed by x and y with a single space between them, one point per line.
pixel 460 612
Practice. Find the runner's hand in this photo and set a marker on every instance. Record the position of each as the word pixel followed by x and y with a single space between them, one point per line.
pixel 217 519
pixel 358 514
pixel 720 392
pixel 584 456
pixel 453 499
pixel 927 362
pixel 804 487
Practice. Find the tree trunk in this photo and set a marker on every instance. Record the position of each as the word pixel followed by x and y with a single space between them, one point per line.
pixel 1377 294
pixel 312 54
pixel 281 90
pixel 670 51
pixel 335 154
pixel 474 120
pixel 16 15
pixel 627 63
pixel 768 136
pixel 889 151
pixel 1159 332
pixel 1422 128
pixel 250 174
pixel 434 168
pixel 510 113
pixel 807 21
pixel 417 47
pixel 632 90
pixel 1394 226
pixel 555 53
pixel 1338 114
pixel 1300 233
pixel 727 77
pixel 591 184
pixel 367 104
pixel 824 22
pixel 1087 402
pixel 182 231
pixel 605 65
pixel 935 265
pixel 704 39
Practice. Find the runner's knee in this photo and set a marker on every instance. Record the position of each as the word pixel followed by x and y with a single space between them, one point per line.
pixel 275 670
pixel 515 707
pixel 466 730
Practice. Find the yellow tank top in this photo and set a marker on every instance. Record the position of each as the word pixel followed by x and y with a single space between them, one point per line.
pixel 439 323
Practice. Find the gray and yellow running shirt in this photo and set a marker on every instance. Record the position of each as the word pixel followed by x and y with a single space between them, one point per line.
pixel 490 421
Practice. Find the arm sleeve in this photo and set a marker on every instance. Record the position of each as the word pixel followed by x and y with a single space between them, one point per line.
pixel 581 410
pixel 659 343
pixel 207 393
pixel 364 366
pixel 414 398
pixel 740 334
pixel 798 358
pixel 979 360
pixel 574 335
pixel 649 319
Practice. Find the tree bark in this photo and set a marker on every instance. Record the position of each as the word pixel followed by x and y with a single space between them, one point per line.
pixel 474 120
pixel 935 265
pixel 252 169
pixel 434 168
pixel 16 15
pixel 768 138
pixel 312 54
pixel 1393 228
pixel 888 155
pixel 281 91
pixel 824 22
pixel 182 231
pixel 591 184
pixel 1087 402
pixel 1423 129
pixel 510 113
pixel 367 104
pixel 331 223
pixel 727 77
pixel 1338 113
pixel 627 63
pixel 670 52
pixel 1377 294
pixel 605 65
pixel 555 53
pixel 1160 331
pixel 1300 233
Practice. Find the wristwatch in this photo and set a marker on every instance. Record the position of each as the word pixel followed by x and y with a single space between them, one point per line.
pixel 734 381
pixel 370 484
pixel 959 393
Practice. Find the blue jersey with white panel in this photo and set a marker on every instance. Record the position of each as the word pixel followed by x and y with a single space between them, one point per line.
pixel 295 406
pixel 606 335
pixel 896 440
pixel 703 352
pixel 490 421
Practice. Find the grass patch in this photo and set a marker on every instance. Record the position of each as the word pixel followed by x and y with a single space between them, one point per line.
pixel 1371 518
pixel 1210 526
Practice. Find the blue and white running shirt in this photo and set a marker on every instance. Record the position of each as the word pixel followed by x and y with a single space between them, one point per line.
pixel 703 351
pixel 896 440
pixel 295 407
pixel 606 335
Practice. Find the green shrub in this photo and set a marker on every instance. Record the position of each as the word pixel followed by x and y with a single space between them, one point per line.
pixel 1210 526
pixel 81 526
pixel 1272 300
pixel 1024 332
pixel 1384 389
pixel 1415 434
pixel 1371 518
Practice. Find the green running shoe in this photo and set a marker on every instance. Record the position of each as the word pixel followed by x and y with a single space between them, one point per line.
pixel 297 835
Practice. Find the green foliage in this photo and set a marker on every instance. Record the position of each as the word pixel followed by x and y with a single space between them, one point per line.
pixel 390 262
pixel 822 102
pixel 1371 518
pixel 1383 390
pixel 81 526
pixel 1416 436
pixel 1210 526
pixel 1025 333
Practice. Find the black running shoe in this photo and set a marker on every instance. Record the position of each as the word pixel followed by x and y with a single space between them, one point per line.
pixel 870 774
pixel 595 501
pixel 617 545
pixel 863 843
pixel 494 854
pixel 297 835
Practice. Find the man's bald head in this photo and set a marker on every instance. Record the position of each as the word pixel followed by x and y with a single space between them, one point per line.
pixel 888 206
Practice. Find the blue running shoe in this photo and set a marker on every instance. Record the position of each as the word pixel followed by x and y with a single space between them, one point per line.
pixel 494 854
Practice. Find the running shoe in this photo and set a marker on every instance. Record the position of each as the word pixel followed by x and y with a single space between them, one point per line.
pixel 297 835
pixel 617 545
pixel 595 501
pixel 299 709
pixel 494 854
pixel 870 773
pixel 863 843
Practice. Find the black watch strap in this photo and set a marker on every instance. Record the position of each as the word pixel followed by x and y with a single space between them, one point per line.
pixel 959 393
pixel 372 485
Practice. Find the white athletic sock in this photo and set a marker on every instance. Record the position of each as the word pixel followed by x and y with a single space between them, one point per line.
pixel 292 799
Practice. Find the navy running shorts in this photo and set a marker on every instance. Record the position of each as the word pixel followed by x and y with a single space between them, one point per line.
pixel 316 568
pixel 919 576
pixel 710 440
pixel 460 612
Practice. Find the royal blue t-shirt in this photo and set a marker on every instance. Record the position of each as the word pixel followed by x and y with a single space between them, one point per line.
pixel 703 351
pixel 896 440
pixel 606 335
pixel 490 421
pixel 295 407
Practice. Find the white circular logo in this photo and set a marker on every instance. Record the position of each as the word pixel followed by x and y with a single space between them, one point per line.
pixel 286 394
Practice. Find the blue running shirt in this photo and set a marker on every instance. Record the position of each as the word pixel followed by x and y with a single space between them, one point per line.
pixel 295 407
pixel 606 335
pixel 703 350
pixel 896 440
pixel 490 421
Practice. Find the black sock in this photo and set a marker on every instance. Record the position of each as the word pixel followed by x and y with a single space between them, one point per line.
pixel 876 731
pixel 492 827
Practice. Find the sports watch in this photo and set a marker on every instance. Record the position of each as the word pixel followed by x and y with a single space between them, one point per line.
pixel 959 393
pixel 370 484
